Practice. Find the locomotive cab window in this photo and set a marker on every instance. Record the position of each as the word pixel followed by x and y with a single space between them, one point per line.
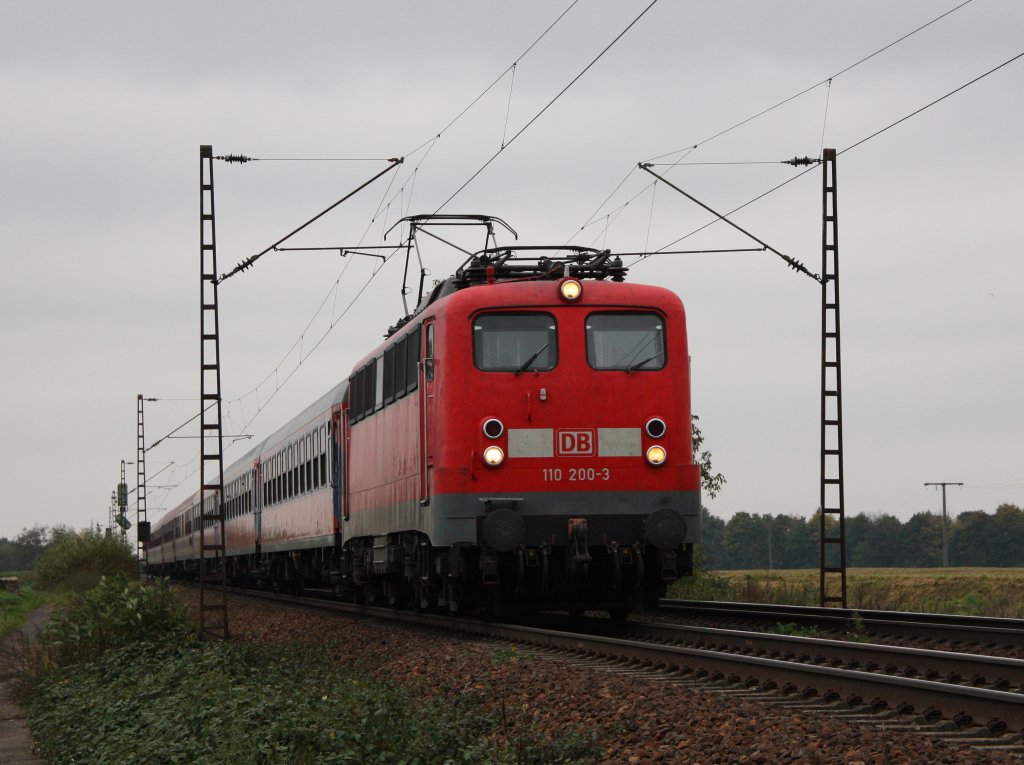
pixel 515 342
pixel 626 341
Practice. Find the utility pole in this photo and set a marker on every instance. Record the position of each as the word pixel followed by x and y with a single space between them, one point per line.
pixel 945 534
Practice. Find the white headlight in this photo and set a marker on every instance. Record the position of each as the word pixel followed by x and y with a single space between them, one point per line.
pixel 656 455
pixel 570 289
pixel 494 456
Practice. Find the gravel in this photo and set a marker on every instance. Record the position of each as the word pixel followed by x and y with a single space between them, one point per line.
pixel 637 719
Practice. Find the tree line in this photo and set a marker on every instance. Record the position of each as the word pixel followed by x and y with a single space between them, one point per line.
pixel 976 538
pixel 754 541
pixel 22 552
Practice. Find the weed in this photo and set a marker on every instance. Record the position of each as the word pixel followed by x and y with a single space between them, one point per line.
pixel 796 630
pixel 506 655
pixel 855 630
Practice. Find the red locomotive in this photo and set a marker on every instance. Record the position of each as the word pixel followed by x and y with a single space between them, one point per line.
pixel 522 440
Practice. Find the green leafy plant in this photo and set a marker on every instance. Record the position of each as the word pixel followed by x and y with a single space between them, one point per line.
pixel 856 630
pixel 75 562
pixel 796 630
pixel 190 702
pixel 119 611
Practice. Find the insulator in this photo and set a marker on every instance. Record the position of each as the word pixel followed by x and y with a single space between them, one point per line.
pixel 797 161
pixel 238 158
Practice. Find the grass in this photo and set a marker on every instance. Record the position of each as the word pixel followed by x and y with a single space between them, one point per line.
pixel 16 606
pixel 967 591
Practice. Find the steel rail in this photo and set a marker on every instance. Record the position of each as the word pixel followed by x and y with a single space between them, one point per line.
pixel 980 629
pixel 816 681
pixel 1002 672
pixel 807 680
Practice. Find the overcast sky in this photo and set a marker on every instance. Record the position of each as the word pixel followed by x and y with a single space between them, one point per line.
pixel 105 105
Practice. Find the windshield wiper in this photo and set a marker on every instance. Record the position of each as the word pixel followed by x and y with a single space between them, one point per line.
pixel 532 358
pixel 639 364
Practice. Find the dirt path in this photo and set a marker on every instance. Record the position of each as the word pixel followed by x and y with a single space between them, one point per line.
pixel 15 738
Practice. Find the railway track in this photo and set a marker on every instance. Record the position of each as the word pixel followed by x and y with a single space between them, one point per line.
pixel 978 698
pixel 962 630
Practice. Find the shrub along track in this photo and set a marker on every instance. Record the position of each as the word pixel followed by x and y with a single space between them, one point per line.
pixel 653 703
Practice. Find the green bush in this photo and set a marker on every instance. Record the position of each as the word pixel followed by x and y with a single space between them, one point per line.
pixel 228 703
pixel 75 562
pixel 118 612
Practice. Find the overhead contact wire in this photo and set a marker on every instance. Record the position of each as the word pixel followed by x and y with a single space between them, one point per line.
pixel 546 107
pixel 815 85
pixel 498 79
pixel 929 105
pixel 843 151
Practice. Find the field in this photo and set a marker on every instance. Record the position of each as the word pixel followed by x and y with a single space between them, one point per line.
pixel 968 591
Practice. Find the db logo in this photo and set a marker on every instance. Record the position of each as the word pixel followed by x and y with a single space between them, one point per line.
pixel 574 442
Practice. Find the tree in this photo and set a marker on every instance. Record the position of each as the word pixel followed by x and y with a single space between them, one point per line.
pixel 794 542
pixel 972 534
pixel 922 541
pixel 1005 547
pixel 712 544
pixel 746 541
pixel 711 482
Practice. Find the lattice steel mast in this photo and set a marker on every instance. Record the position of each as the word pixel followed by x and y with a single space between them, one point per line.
pixel 141 521
pixel 213 609
pixel 832 545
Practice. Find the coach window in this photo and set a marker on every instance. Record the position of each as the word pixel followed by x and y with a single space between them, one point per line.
pixel 428 356
pixel 293 472
pixel 315 458
pixel 515 342
pixel 323 454
pixel 412 358
pixel 379 380
pixel 309 462
pixel 370 389
pixel 626 341
pixel 401 370
pixel 389 375
pixel 304 455
pixel 278 479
